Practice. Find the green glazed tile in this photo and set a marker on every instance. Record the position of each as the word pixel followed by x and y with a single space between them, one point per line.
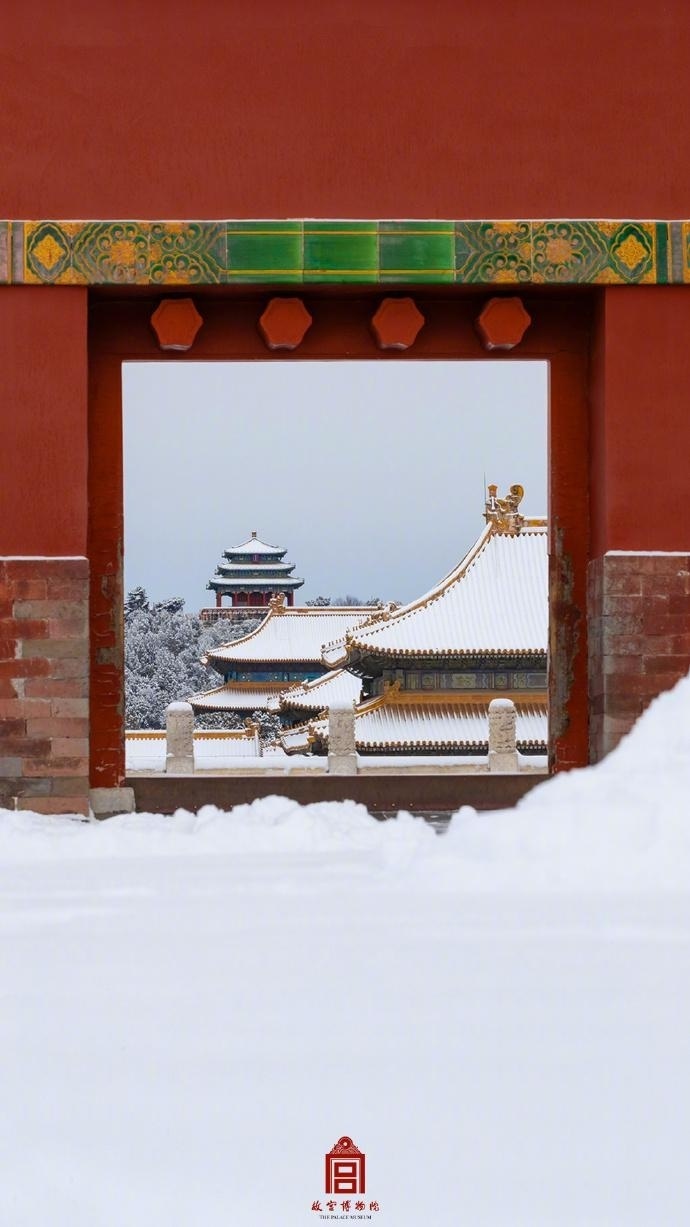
pixel 406 226
pixel 186 253
pixel 663 253
pixel 416 252
pixel 632 254
pixel 48 253
pixel 489 253
pixel 337 225
pixel 567 252
pixel 340 251
pixel 266 226
pixel 560 252
pixel 112 253
pixel 262 251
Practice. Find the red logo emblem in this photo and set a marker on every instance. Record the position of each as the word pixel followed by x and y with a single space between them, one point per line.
pixel 345 1168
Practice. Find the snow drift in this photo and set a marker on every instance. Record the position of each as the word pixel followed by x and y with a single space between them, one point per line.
pixel 623 824
pixel 195 1008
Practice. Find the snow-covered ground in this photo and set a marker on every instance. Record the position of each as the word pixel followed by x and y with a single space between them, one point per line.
pixel 195 1009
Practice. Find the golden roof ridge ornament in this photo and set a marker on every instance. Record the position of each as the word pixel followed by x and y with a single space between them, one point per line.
pixel 278 603
pixel 502 513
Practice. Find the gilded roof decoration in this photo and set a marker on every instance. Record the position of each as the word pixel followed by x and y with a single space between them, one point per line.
pixel 503 512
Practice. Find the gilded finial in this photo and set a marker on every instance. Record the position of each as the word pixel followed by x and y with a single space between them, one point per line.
pixel 503 513
pixel 392 688
pixel 277 603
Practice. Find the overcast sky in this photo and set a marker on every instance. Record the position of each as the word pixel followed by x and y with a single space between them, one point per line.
pixel 370 473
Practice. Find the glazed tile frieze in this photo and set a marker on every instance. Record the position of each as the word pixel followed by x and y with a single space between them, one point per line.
pixel 296 252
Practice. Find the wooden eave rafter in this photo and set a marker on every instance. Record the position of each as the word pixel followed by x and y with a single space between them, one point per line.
pixel 276 583
pixel 393 697
pixel 365 661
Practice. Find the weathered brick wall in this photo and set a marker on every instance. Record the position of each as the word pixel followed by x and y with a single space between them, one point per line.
pixel 639 638
pixel 44 684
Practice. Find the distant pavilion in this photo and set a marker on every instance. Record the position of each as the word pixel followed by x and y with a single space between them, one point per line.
pixel 252 573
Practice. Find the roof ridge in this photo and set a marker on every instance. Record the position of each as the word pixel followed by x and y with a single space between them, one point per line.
pixel 254 540
pixel 456 573
pixel 356 639
pixel 243 638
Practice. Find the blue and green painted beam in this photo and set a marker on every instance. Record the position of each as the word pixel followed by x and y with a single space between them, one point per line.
pixel 386 253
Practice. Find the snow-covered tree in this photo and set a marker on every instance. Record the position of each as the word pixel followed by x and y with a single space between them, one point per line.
pixel 269 725
pixel 163 650
pixel 344 600
pixel 355 600
pixel 135 602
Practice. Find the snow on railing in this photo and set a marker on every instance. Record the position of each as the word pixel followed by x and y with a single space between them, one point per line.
pixel 503 755
pixel 502 758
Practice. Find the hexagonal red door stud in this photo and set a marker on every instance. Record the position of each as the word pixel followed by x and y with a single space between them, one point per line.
pixel 176 322
pixel 396 323
pixel 502 323
pixel 284 323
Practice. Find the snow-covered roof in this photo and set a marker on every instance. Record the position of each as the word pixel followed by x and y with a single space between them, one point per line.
pixel 145 750
pixel 255 581
pixel 255 546
pixel 495 602
pixel 385 725
pixel 237 696
pixel 293 634
pixel 254 568
pixel 338 686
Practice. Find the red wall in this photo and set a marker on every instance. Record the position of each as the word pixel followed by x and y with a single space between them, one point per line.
pixel 641 421
pixel 344 108
pixel 43 421
pixel 337 108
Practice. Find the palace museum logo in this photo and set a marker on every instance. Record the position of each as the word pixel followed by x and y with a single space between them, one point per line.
pixel 345 1184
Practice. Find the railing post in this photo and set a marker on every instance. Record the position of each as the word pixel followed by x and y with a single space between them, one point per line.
pixel 254 729
pixel 503 756
pixel 179 738
pixel 342 755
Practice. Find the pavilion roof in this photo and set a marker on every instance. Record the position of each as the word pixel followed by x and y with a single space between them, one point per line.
pixel 293 634
pixel 495 602
pixel 338 686
pixel 255 567
pixel 255 581
pixel 256 546
pixel 237 696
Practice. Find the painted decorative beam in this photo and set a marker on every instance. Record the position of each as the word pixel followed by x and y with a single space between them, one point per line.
pixel 386 253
